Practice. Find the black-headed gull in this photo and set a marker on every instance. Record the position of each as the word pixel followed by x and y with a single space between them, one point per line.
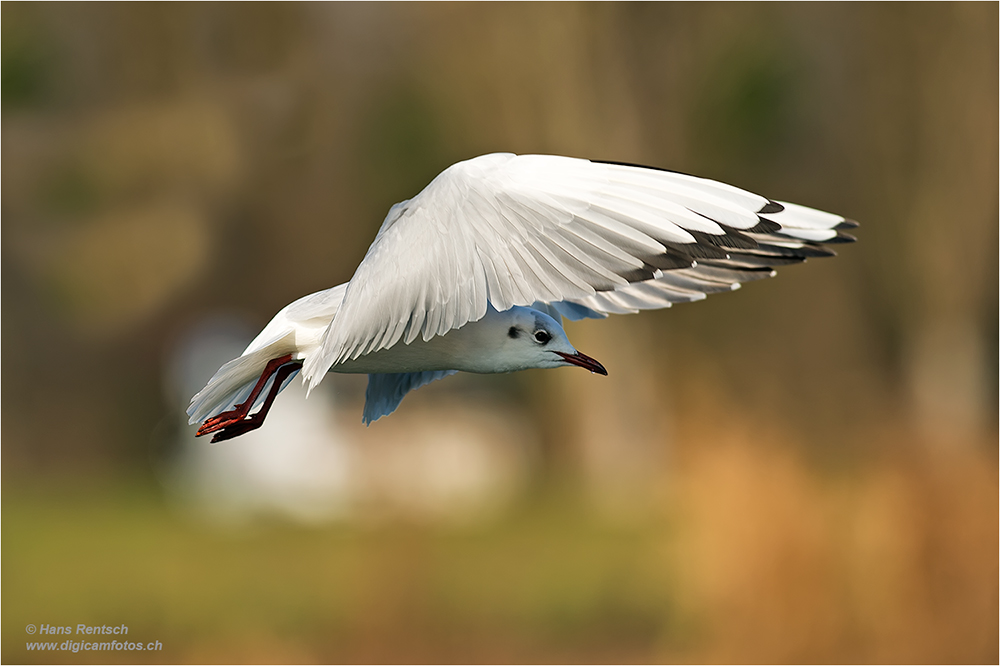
pixel 475 273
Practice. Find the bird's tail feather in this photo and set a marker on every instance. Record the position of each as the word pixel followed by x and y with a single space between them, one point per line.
pixel 235 380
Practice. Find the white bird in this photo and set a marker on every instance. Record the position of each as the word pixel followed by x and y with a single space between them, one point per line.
pixel 475 273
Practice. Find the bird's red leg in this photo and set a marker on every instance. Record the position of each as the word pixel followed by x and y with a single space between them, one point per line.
pixel 240 411
pixel 257 420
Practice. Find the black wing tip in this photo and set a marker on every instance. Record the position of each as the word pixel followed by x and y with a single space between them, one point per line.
pixel 841 237
pixel 637 275
pixel 764 226
pixel 697 250
pixel 807 250
pixel 771 207
pixel 746 268
pixel 670 260
pixel 816 250
pixel 847 224
pixel 732 238
pixel 641 166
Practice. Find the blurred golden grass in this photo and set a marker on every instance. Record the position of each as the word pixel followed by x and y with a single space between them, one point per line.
pixel 892 562
pixel 757 557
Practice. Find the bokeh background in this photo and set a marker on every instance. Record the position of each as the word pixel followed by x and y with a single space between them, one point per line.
pixel 804 470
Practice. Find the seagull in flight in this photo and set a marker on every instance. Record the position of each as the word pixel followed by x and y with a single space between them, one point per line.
pixel 477 272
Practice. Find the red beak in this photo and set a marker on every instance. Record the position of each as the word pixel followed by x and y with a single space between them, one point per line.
pixel 584 361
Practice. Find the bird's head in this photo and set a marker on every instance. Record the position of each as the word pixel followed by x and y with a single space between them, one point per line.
pixel 533 339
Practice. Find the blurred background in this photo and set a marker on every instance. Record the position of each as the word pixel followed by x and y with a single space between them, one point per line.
pixel 802 471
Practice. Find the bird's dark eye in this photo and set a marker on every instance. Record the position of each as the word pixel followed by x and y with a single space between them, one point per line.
pixel 542 336
pixel 512 332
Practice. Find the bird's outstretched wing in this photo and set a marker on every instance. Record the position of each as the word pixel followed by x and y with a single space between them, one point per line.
pixel 589 238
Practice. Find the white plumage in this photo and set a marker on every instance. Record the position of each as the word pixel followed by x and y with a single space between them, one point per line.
pixel 501 241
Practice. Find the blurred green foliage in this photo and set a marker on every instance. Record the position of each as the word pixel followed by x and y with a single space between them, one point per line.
pixel 747 113
pixel 401 147
pixel 26 63
pixel 70 193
